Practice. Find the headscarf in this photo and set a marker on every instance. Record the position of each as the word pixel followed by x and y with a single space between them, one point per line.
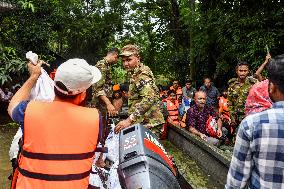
pixel 258 98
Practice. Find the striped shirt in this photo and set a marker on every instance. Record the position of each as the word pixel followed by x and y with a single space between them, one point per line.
pixel 258 159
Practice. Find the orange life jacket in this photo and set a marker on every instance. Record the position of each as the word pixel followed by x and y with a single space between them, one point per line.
pixel 178 91
pixel 172 109
pixel 223 108
pixel 58 146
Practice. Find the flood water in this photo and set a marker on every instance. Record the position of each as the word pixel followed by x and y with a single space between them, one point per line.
pixel 188 167
pixel 6 136
pixel 196 177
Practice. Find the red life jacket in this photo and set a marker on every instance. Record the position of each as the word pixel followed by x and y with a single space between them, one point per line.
pixel 172 109
pixel 211 126
pixel 58 146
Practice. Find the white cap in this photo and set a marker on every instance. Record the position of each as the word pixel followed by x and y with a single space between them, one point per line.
pixel 77 75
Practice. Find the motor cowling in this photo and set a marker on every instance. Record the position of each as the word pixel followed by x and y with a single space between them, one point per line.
pixel 143 161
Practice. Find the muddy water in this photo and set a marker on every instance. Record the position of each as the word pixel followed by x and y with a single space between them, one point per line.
pixel 196 177
pixel 6 136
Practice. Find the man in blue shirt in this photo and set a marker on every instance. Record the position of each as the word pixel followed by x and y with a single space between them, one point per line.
pixel 258 159
pixel 211 91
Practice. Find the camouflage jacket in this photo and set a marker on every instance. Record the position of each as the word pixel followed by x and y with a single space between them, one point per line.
pixel 237 95
pixel 104 86
pixel 143 101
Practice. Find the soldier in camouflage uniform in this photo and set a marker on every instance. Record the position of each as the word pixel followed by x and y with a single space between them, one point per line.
pixel 237 93
pixel 102 91
pixel 143 98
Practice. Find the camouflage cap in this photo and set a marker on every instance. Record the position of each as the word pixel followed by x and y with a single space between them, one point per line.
pixel 129 50
pixel 127 53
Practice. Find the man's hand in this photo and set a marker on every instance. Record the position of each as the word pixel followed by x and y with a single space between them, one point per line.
pixel 24 92
pixel 233 124
pixel 121 125
pixel 267 58
pixel 35 70
pixel 111 110
pixel 203 136
pixel 219 133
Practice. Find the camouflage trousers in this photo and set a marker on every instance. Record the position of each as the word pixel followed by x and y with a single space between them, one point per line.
pixel 238 118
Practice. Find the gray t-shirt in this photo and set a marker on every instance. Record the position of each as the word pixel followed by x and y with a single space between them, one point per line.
pixel 188 92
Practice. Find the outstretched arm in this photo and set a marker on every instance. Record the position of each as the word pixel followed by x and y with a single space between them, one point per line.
pixel 24 92
pixel 258 72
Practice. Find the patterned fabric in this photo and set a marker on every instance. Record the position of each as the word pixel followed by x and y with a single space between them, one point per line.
pixel 143 102
pixel 198 119
pixel 5 97
pixel 212 94
pixel 258 98
pixel 258 158
pixel 104 86
pixel 237 95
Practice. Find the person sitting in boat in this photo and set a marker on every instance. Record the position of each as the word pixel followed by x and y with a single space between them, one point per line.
pixel 177 88
pixel 199 118
pixel 171 105
pixel 224 114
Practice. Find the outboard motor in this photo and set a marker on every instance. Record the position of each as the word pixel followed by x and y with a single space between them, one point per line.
pixel 143 161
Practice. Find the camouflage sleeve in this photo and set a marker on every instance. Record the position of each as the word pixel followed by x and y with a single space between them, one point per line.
pixel 147 91
pixel 231 103
pixel 98 88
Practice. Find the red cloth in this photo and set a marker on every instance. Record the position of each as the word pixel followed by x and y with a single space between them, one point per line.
pixel 258 98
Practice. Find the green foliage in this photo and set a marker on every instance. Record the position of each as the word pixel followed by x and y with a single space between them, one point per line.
pixel 119 75
pixel 162 80
pixel 27 5
pixel 11 65
pixel 207 36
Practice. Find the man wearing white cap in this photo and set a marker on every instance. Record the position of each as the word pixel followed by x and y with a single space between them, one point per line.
pixel 59 137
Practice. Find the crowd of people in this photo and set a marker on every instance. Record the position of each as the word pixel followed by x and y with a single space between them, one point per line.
pixel 218 118
pixel 211 115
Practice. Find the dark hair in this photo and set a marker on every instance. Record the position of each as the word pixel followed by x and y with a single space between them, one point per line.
pixel 165 88
pixel 242 63
pixel 113 50
pixel 61 95
pixel 175 80
pixel 188 81
pixel 170 92
pixel 124 87
pixel 207 78
pixel 276 72
pixel 116 92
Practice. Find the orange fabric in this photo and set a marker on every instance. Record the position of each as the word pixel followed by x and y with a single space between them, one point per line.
pixel 63 128
pixel 172 109
pixel 223 108
pixel 14 179
pixel 116 87
pixel 178 91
